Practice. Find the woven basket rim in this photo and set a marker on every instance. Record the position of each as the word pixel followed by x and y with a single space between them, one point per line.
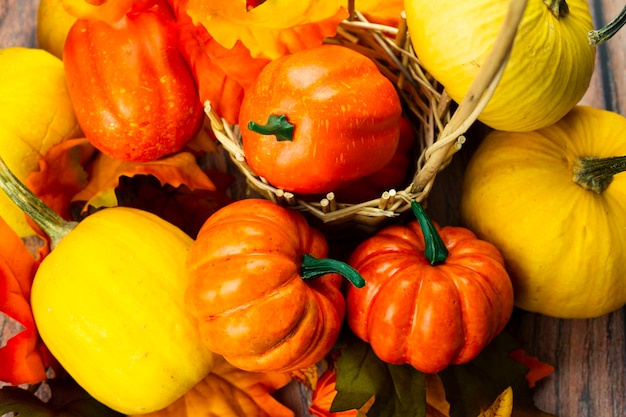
pixel 440 133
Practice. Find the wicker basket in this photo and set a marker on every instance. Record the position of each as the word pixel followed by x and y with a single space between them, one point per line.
pixel 439 129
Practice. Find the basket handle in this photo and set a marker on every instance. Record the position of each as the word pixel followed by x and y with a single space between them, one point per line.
pixel 475 100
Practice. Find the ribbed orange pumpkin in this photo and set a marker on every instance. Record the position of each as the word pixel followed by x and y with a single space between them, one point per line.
pixel 428 310
pixel 247 289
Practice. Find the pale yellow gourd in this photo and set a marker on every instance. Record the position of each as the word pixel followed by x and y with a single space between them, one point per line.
pixel 35 114
pixel 108 302
pixel 556 208
pixel 549 69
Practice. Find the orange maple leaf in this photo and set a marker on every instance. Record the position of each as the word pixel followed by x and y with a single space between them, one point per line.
pixel 24 357
pixel 105 173
pixel 175 188
pixel 271 29
pixel 222 73
pixel 537 370
pixel 62 174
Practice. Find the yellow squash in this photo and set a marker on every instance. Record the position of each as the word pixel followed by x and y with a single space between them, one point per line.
pixel 35 114
pixel 108 302
pixel 551 201
pixel 549 69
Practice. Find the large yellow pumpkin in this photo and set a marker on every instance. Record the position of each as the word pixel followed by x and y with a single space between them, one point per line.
pixel 108 302
pixel 551 202
pixel 549 69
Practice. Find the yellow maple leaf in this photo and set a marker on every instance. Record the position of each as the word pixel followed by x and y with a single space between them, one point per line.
pixel 502 406
pixel 272 28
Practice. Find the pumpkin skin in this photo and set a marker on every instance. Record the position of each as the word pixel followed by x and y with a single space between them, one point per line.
pixel 549 69
pixel 108 302
pixel 564 245
pixel 428 316
pixel 345 116
pixel 134 94
pixel 247 292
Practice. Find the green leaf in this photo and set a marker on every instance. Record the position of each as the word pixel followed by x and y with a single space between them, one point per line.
pixel 399 390
pixel 68 399
pixel 472 387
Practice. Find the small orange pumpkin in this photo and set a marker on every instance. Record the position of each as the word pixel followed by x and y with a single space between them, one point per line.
pixel 249 287
pixel 434 296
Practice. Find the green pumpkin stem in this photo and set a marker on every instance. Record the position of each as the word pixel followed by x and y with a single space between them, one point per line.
pixel 595 174
pixel 313 267
pixel 435 249
pixel 599 36
pixel 276 125
pixel 50 222
pixel 559 8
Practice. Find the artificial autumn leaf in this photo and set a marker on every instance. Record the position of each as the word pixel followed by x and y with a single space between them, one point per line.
pixel 472 388
pixel 502 406
pixel 324 395
pixel 271 29
pixel 308 377
pixel 105 173
pixel 386 12
pixel 222 74
pixel 537 370
pixel 109 11
pixel 399 390
pixel 24 357
pixel 62 175
pixel 67 399
pixel 436 403
pixel 180 206
pixel 231 392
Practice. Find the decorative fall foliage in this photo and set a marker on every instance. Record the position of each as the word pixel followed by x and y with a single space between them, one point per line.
pixel 271 29
pixel 24 357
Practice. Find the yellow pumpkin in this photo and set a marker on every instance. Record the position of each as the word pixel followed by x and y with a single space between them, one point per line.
pixel 108 302
pixel 549 69
pixel 35 114
pixel 53 24
pixel 551 202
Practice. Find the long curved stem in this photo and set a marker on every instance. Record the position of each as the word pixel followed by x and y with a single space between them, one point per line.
pixel 599 36
pixel 435 249
pixel 50 222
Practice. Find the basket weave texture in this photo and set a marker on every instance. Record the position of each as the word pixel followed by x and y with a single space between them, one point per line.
pixel 438 123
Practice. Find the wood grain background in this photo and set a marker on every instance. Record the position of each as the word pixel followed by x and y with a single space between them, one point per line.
pixel 589 355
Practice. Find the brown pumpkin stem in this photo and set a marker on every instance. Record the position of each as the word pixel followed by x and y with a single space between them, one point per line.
pixel 595 174
pixel 50 222
pixel 313 267
pixel 435 249
pixel 599 36
pixel 559 8
pixel 276 125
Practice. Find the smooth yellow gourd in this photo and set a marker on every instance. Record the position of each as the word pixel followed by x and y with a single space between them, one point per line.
pixel 549 68
pixel 108 302
pixel 554 206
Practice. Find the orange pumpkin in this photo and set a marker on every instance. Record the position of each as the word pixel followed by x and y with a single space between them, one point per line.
pixel 434 296
pixel 249 270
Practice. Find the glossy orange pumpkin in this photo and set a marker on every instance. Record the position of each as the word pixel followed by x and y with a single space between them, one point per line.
pixel 318 119
pixel 433 298
pixel 249 288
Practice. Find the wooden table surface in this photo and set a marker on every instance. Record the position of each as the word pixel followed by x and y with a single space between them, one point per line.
pixel 589 355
